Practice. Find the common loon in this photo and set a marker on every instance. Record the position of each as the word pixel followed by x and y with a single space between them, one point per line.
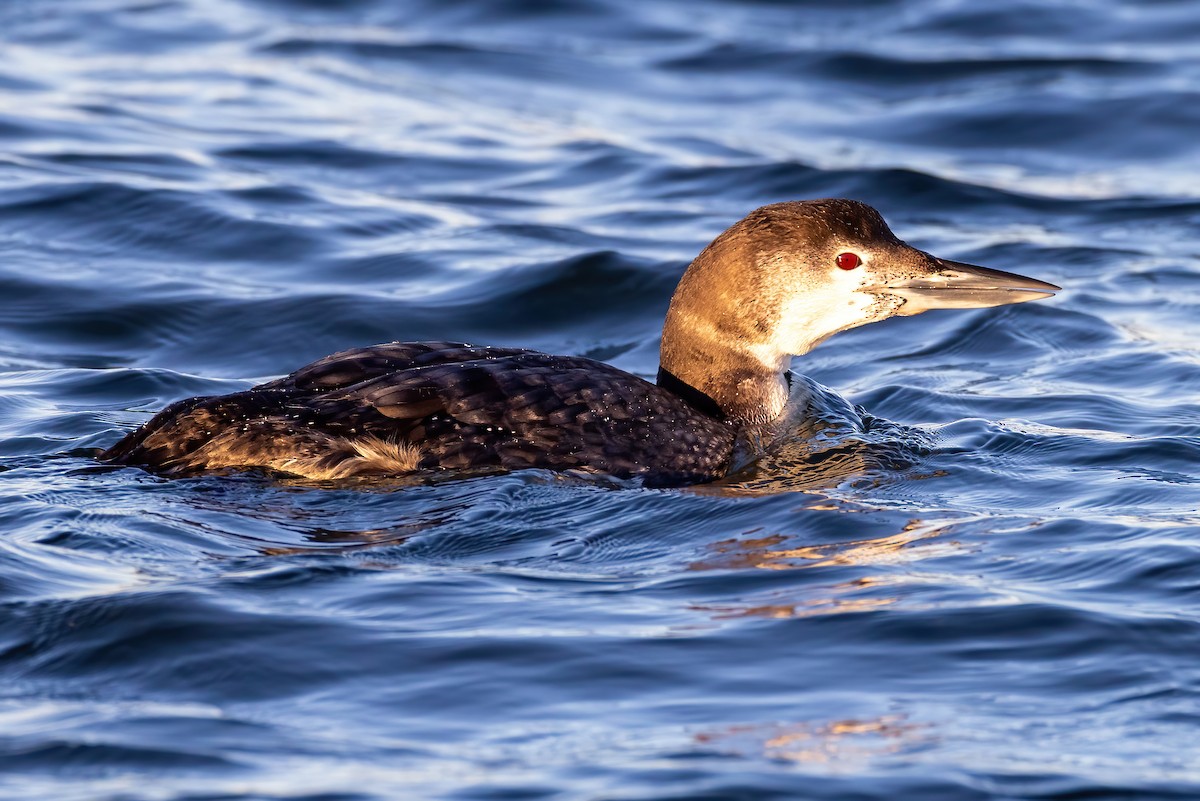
pixel 774 285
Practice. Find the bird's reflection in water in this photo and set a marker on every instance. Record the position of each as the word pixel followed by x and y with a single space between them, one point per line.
pixel 864 593
pixel 276 516
pixel 837 744
pixel 280 516
pixel 324 539
pixel 808 607
pixel 771 553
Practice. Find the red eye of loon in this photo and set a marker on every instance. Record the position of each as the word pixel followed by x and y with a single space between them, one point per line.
pixel 848 261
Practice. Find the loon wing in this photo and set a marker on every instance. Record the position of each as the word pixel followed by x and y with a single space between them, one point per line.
pixel 349 367
pixel 404 406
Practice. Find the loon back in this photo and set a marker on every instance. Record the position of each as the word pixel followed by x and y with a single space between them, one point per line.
pixel 392 409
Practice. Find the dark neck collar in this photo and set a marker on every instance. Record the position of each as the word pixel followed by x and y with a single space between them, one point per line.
pixel 689 394
pixel 694 397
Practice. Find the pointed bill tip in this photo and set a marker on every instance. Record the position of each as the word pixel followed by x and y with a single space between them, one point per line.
pixel 956 285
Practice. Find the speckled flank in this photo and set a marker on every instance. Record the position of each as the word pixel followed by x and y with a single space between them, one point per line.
pixel 315 456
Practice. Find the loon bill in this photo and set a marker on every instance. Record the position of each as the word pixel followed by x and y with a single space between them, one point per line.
pixel 776 284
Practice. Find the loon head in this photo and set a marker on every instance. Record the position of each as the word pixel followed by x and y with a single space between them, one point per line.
pixel 791 275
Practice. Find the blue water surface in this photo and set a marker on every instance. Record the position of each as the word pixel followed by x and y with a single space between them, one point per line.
pixel 998 597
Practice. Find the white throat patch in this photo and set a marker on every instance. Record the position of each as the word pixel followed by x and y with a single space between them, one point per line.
pixel 815 313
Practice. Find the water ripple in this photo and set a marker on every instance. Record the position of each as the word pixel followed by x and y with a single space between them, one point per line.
pixel 967 572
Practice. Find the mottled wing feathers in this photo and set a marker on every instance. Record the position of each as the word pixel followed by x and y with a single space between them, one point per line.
pixel 534 410
pixel 456 407
pixel 355 366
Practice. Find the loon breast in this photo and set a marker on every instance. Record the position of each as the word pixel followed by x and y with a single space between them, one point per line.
pixel 395 408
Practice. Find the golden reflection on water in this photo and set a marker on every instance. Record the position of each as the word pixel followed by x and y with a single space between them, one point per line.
pixel 848 742
pixel 766 553
pixel 809 607
pixel 865 593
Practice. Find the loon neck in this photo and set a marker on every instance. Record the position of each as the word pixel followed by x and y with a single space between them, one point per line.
pixel 724 381
pixel 706 404
pixel 722 337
